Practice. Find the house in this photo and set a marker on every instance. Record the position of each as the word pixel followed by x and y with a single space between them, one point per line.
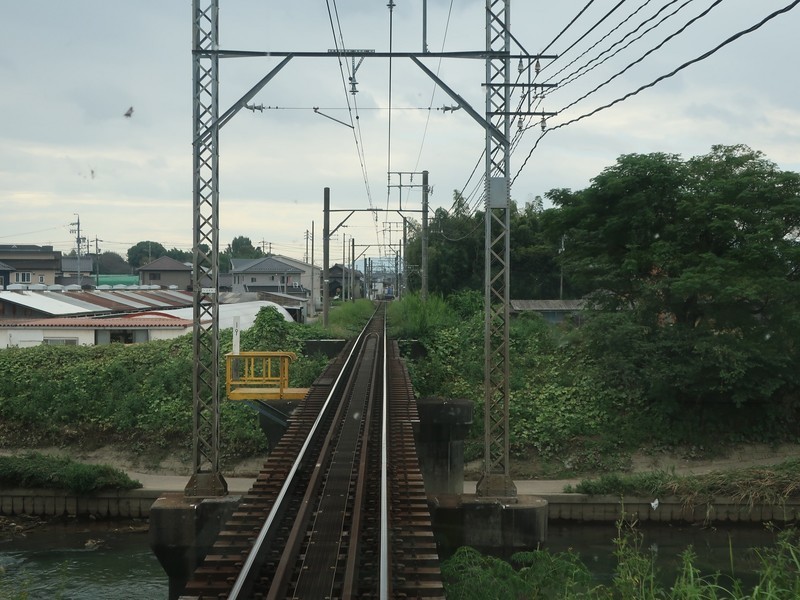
pixel 91 331
pixel 552 311
pixel 31 264
pixel 76 271
pixel 103 316
pixel 266 274
pixel 166 271
pixel 339 282
pixel 310 279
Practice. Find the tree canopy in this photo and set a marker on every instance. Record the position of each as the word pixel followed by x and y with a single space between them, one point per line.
pixel 699 258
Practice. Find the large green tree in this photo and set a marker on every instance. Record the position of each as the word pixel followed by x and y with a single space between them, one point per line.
pixel 697 263
pixel 145 252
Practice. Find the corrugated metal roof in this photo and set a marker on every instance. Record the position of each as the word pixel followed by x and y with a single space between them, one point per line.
pixel 49 303
pixel 75 299
pixel 97 301
pixel 115 297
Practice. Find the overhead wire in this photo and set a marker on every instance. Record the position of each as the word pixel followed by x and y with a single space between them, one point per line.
pixel 354 122
pixel 602 39
pixel 585 69
pixel 661 78
pixel 645 55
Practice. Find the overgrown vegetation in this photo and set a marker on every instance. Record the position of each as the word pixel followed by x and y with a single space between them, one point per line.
pixel 35 470
pixel 468 575
pixel 771 486
pixel 138 397
pixel 690 269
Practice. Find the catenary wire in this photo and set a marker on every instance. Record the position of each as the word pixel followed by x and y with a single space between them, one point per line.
pixel 656 81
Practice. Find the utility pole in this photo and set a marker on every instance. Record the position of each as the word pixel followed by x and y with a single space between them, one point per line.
pixel 424 266
pixel 97 260
pixel 326 228
pixel 78 243
pixel 313 275
pixel 352 269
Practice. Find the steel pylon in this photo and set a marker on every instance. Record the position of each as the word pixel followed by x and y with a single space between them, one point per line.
pixel 206 479
pixel 496 478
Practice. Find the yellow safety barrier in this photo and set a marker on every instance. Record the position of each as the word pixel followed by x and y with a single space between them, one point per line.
pixel 260 376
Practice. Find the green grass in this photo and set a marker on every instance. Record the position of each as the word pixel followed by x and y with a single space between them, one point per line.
pixel 771 485
pixel 35 470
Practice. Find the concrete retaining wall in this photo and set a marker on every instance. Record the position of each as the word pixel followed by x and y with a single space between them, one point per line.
pixel 580 507
pixel 124 504
pixel 573 507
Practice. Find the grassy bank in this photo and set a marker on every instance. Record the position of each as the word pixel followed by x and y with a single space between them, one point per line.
pixel 35 470
pixel 469 575
pixel 771 485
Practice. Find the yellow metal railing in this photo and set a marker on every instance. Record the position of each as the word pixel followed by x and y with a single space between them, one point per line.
pixel 258 375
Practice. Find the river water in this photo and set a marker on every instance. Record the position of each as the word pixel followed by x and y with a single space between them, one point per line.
pixel 90 561
pixel 81 561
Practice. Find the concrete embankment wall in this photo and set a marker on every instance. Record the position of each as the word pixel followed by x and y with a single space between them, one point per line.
pixel 580 507
pixel 132 504
pixel 573 507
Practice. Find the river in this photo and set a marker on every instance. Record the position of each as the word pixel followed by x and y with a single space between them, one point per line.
pixel 84 560
pixel 81 561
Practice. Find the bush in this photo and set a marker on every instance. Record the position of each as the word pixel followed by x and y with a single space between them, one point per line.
pixel 35 470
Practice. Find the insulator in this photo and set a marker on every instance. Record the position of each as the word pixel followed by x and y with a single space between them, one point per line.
pixel 520 67
pixel 537 67
pixel 544 123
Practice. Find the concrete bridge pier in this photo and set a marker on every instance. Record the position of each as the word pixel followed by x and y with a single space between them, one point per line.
pixel 485 522
pixel 443 426
pixel 183 530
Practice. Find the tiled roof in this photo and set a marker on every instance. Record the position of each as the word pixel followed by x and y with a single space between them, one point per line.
pixel 139 322
pixel 267 264
pixel 165 263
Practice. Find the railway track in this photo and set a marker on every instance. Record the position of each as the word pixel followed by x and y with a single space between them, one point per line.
pixel 339 509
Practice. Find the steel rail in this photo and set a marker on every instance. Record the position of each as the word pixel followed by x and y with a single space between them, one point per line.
pixel 244 579
pixel 384 552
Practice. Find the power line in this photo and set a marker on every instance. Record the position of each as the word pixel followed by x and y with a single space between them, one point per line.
pixel 656 81
pixel 583 70
pixel 570 24
pixel 645 55
pixel 688 63
pixel 602 39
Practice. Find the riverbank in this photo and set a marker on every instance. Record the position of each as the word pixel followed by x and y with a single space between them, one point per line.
pixel 169 476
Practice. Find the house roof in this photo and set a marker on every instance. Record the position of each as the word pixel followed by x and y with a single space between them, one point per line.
pixel 49 263
pixel 86 302
pixel 5 267
pixel 165 263
pixel 133 322
pixel 246 311
pixel 24 248
pixel 267 264
pixel 69 264
pixel 344 270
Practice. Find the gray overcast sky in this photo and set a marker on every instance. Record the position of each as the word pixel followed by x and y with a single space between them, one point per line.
pixel 70 70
